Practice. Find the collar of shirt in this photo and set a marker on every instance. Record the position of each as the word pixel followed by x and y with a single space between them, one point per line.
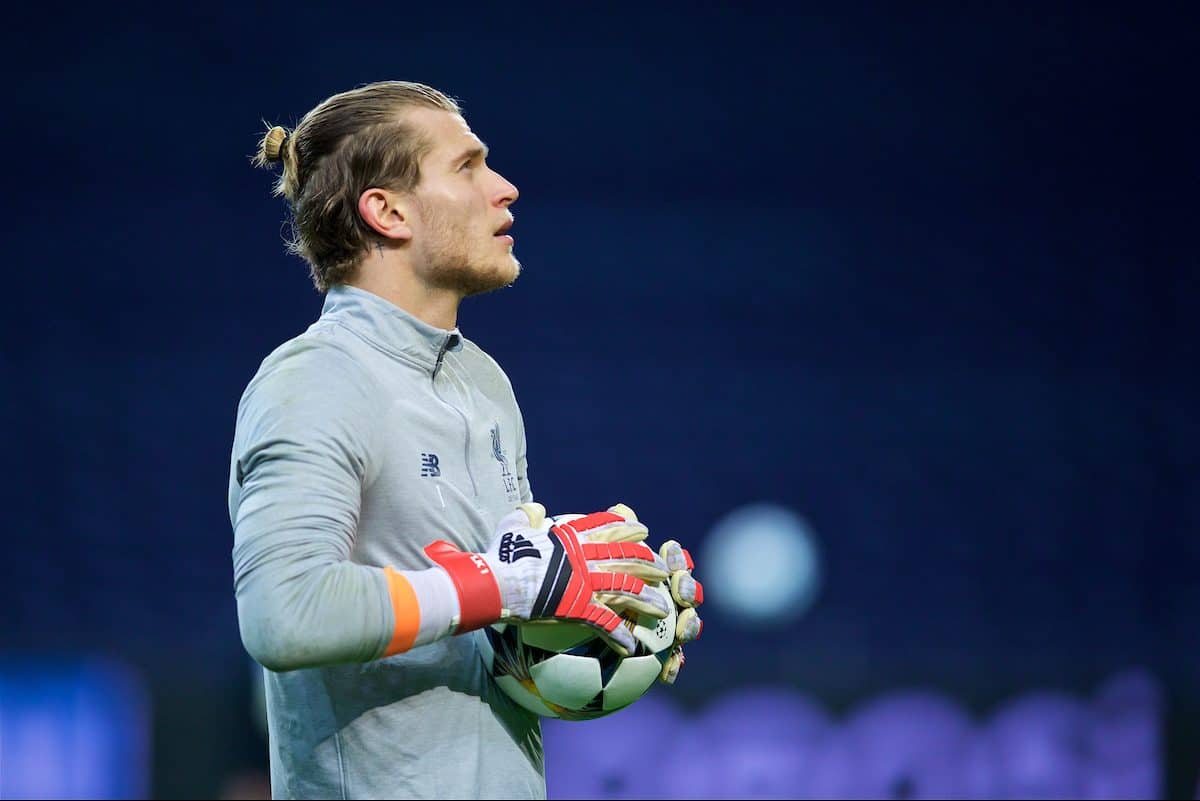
pixel 388 326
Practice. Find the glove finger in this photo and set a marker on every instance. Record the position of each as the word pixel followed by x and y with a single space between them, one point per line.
pixel 671 668
pixel 527 515
pixel 651 574
pixel 535 512
pixel 634 530
pixel 619 532
pixel 676 556
pixel 632 604
pixel 626 557
pixel 624 511
pixel 630 531
pixel 642 601
pixel 603 527
pixel 686 591
pixel 688 626
pixel 607 623
pixel 619 638
pixel 625 592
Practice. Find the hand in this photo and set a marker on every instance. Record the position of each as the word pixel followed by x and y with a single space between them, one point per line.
pixel 685 590
pixel 687 594
pixel 586 569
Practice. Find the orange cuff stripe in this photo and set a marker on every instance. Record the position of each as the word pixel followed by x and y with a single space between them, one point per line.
pixel 406 610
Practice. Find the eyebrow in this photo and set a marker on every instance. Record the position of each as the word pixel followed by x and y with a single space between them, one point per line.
pixel 481 151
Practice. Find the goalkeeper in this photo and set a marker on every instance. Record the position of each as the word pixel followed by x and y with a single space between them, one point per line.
pixel 378 485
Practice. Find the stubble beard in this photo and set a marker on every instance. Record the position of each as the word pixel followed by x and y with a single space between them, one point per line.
pixel 451 264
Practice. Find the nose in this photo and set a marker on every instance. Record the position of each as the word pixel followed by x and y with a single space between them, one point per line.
pixel 506 192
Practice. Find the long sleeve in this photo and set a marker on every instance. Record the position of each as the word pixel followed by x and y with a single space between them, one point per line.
pixel 300 464
pixel 347 460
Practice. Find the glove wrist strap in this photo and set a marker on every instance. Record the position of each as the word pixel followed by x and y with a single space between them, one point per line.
pixel 478 591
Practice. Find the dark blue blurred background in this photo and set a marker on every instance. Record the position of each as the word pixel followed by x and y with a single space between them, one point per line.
pixel 925 275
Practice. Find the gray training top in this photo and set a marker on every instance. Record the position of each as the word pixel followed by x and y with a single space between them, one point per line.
pixel 359 442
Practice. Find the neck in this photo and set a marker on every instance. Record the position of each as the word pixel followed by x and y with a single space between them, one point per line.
pixel 391 278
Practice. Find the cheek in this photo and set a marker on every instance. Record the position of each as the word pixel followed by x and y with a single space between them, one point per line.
pixel 461 214
pixel 444 219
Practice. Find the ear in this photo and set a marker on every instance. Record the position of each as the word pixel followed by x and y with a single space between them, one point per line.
pixel 386 212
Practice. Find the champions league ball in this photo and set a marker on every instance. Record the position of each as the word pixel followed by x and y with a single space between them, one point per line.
pixel 563 670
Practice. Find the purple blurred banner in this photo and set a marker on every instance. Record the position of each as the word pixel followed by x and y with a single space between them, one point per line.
pixel 73 729
pixel 776 743
pixel 81 730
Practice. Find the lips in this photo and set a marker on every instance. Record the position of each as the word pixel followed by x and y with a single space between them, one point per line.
pixel 503 229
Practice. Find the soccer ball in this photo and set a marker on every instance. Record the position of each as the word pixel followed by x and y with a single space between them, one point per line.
pixel 563 670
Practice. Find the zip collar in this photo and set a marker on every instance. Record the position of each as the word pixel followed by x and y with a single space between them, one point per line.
pixel 389 327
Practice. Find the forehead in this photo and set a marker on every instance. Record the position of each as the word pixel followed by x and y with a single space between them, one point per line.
pixel 448 132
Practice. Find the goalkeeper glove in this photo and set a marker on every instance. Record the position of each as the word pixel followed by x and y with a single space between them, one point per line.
pixel 687 594
pixel 585 569
pixel 686 591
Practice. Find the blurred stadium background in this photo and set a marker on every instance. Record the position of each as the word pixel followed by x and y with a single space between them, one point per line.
pixel 900 296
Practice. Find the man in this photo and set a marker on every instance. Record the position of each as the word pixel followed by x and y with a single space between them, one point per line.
pixel 378 484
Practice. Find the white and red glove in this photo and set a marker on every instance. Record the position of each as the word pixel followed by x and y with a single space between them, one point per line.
pixel 586 569
pixel 685 591
pixel 687 594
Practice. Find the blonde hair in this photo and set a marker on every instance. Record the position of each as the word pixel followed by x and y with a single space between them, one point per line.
pixel 350 142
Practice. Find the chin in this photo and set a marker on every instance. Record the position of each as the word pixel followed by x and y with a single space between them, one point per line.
pixel 514 268
pixel 505 272
pixel 499 275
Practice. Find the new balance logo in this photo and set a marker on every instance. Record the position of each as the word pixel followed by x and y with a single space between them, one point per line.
pixel 429 465
pixel 516 546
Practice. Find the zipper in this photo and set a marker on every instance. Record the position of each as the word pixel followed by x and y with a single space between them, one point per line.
pixel 466 423
pixel 441 355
